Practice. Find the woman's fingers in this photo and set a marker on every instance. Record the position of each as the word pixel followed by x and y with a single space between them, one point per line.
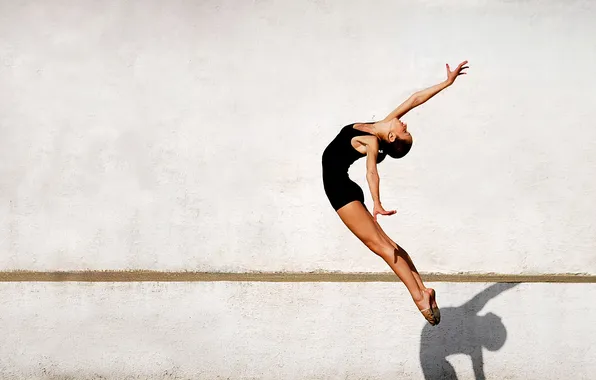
pixel 451 75
pixel 382 212
pixel 460 67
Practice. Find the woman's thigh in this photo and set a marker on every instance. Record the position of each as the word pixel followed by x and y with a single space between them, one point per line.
pixel 384 234
pixel 379 228
pixel 359 220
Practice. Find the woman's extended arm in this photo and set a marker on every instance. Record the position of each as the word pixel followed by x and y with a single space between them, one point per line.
pixel 422 96
pixel 372 175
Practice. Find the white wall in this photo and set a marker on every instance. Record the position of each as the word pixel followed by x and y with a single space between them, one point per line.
pixel 293 331
pixel 188 136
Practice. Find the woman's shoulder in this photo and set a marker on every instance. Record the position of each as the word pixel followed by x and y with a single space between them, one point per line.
pixel 360 124
pixel 362 128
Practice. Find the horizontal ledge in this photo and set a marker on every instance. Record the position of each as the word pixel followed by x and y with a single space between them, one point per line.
pixel 164 276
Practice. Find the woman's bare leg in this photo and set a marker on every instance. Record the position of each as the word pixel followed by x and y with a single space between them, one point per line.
pixel 357 218
pixel 400 252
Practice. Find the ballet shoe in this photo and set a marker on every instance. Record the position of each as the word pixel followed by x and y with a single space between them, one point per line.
pixel 433 305
pixel 429 316
pixel 428 313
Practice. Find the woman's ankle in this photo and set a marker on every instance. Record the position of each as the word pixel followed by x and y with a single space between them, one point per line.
pixel 422 300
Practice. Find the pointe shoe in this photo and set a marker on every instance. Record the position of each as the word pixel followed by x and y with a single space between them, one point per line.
pixel 428 313
pixel 429 316
pixel 433 305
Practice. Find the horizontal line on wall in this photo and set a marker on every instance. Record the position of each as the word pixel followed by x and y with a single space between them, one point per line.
pixel 161 276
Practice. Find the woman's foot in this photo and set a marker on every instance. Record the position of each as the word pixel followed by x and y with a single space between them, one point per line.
pixel 425 307
pixel 433 304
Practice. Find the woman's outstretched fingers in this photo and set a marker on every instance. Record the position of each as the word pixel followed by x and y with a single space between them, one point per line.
pixel 380 210
pixel 451 75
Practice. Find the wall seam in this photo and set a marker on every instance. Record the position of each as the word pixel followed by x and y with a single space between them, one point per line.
pixel 189 276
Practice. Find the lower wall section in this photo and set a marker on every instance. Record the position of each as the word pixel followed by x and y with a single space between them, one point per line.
pixel 246 330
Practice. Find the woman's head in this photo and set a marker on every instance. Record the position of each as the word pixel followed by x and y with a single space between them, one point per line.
pixel 398 141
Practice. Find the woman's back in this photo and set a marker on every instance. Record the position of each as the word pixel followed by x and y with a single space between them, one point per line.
pixel 340 153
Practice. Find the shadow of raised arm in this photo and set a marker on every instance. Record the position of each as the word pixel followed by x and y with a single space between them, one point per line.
pixel 479 300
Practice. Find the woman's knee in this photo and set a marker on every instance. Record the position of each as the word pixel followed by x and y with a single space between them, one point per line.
pixel 380 246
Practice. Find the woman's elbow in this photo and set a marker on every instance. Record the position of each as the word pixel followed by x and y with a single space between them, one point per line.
pixel 415 100
pixel 372 174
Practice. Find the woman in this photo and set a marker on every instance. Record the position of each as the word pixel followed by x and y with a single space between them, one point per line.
pixel 376 140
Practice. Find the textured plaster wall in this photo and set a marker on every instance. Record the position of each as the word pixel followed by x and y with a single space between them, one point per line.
pixel 293 331
pixel 188 135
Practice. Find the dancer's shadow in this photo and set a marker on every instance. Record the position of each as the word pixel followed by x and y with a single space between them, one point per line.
pixel 463 331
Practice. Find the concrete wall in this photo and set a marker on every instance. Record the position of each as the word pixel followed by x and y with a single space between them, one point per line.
pixel 187 136
pixel 293 331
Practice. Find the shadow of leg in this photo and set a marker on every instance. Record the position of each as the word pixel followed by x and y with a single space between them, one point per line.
pixel 440 369
pixel 463 331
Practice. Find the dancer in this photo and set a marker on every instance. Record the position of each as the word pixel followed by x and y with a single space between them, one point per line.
pixel 375 140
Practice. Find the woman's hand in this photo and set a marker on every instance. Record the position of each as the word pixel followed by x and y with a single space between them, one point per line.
pixel 378 209
pixel 451 75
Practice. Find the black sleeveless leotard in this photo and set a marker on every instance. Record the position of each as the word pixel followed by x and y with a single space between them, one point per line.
pixel 337 158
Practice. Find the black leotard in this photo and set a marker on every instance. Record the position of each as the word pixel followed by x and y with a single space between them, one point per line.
pixel 337 158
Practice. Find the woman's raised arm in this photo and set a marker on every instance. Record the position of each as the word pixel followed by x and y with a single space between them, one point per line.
pixel 422 96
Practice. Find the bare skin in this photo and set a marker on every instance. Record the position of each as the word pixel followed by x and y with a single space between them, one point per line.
pixel 364 224
pixel 357 218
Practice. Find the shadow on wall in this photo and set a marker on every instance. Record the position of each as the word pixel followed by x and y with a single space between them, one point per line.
pixel 463 331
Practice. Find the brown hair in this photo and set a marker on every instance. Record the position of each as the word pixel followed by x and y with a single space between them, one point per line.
pixel 398 148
